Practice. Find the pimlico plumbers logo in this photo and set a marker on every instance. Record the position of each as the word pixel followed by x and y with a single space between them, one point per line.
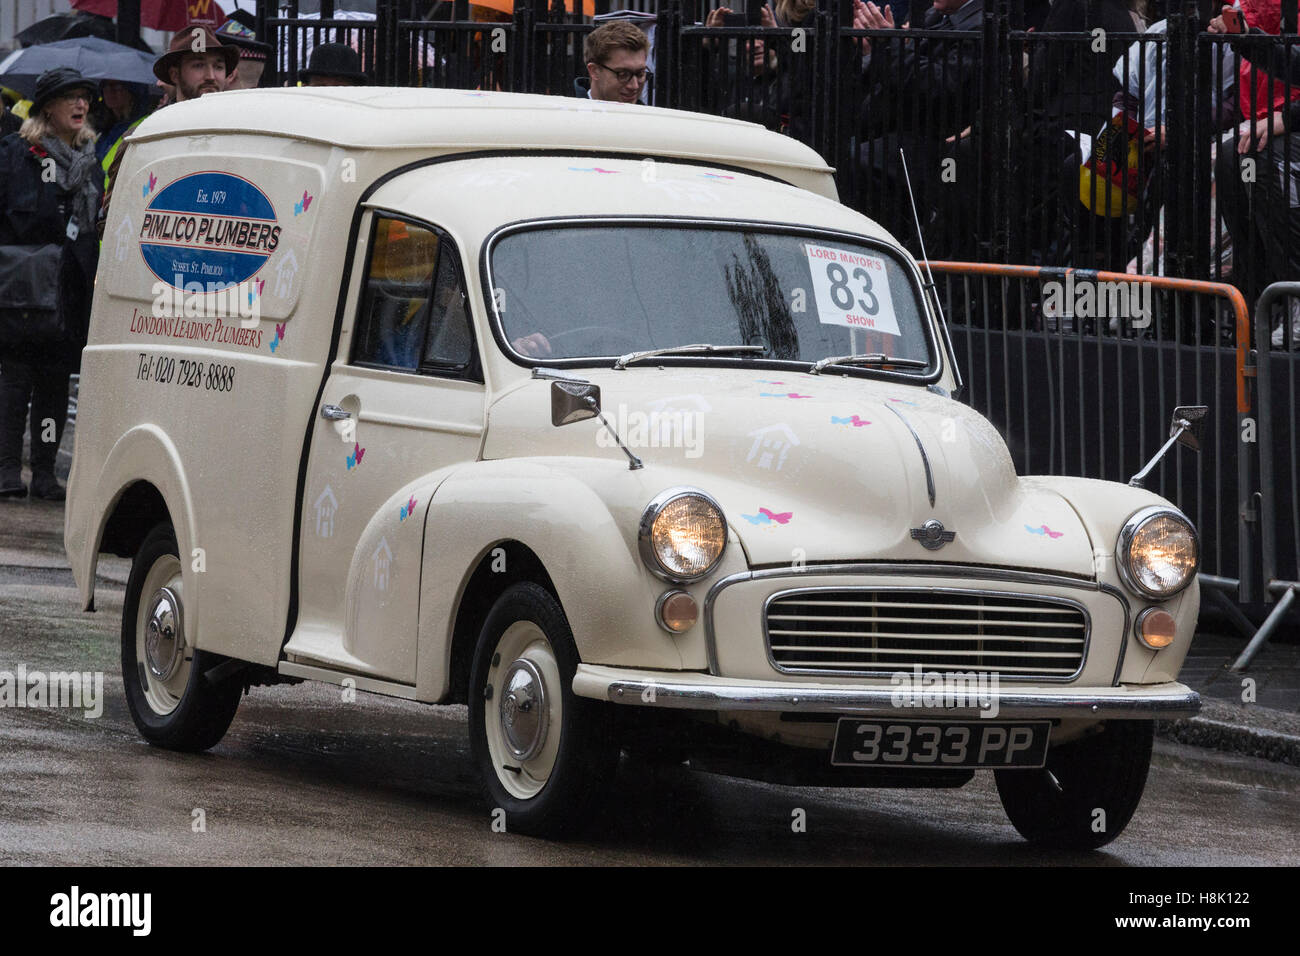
pixel 210 228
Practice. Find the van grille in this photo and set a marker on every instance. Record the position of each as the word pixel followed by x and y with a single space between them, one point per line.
pixel 870 631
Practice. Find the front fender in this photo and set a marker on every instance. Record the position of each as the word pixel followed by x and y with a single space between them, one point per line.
pixel 1104 507
pixel 588 549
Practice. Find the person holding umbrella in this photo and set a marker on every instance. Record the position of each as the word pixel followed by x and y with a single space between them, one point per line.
pixel 49 194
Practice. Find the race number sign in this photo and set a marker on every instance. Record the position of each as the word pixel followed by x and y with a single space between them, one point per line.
pixel 851 289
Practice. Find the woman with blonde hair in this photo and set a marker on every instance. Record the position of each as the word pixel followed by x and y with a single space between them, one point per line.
pixel 50 187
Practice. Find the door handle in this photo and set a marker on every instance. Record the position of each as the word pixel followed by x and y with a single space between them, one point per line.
pixel 334 413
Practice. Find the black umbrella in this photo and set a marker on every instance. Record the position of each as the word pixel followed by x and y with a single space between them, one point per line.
pixel 66 26
pixel 96 59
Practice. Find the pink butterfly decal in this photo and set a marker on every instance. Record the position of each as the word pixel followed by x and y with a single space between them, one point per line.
pixel 153 181
pixel 306 201
pixel 279 331
pixel 361 453
pixel 1044 529
pixel 782 518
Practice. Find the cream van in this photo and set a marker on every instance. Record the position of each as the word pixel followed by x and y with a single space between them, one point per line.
pixel 613 423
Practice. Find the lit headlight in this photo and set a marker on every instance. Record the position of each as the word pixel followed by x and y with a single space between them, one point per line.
pixel 682 535
pixel 1157 553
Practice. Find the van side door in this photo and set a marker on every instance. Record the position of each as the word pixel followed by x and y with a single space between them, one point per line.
pixel 404 399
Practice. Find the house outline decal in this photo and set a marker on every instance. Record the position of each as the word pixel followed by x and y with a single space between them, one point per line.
pixel 284 275
pixel 383 559
pixel 326 505
pixel 766 451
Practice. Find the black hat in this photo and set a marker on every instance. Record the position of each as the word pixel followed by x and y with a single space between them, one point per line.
pixel 335 59
pixel 59 80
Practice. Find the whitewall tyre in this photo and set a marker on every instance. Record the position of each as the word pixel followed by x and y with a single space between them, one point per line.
pixel 172 701
pixel 544 755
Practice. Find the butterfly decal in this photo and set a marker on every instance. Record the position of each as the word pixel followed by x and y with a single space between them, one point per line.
pixel 303 204
pixel 766 516
pixel 1044 529
pixel 408 509
pixel 782 395
pixel 902 402
pixel 768 381
pixel 591 169
pixel 148 187
pixel 354 459
pixel 279 336
pixel 853 420
pixel 716 176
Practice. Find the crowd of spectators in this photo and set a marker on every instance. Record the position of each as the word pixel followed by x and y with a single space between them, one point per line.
pixel 1088 129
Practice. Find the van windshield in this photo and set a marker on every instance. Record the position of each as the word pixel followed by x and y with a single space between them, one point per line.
pixel 608 289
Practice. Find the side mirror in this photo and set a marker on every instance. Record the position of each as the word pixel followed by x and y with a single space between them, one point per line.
pixel 1188 425
pixel 573 402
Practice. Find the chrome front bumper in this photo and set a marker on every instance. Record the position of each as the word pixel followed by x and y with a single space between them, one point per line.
pixel 696 691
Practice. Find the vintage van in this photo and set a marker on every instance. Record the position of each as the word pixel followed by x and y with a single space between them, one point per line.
pixel 612 423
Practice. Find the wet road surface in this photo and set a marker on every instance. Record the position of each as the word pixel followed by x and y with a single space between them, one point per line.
pixel 304 777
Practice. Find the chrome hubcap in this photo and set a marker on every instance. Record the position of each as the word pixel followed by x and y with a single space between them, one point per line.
pixel 164 641
pixel 525 715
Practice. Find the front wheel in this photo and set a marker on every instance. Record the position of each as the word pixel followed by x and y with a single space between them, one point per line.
pixel 545 755
pixel 172 701
pixel 1086 794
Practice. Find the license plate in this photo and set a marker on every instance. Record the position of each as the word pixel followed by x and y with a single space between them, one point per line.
pixel 936 743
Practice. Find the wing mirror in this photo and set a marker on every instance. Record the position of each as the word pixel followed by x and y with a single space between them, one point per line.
pixel 1187 428
pixel 573 402
pixel 576 401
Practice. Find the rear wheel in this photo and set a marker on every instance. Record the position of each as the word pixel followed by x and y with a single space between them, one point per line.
pixel 172 701
pixel 1086 794
pixel 545 755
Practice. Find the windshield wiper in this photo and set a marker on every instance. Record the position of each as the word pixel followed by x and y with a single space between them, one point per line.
pixel 875 358
pixel 624 360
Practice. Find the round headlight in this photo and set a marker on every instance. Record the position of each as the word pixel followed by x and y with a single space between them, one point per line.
pixel 1158 553
pixel 682 535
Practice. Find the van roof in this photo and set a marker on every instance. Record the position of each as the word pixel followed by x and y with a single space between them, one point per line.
pixel 446 121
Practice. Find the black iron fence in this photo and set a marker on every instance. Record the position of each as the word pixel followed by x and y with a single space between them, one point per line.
pixel 1165 153
pixel 1119 150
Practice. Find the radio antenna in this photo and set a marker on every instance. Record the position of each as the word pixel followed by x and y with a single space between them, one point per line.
pixel 916 218
pixel 931 287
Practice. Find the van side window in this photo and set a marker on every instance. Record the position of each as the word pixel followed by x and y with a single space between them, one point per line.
pixel 394 316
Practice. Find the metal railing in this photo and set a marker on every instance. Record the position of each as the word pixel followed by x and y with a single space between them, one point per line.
pixel 1075 392
pixel 1273 509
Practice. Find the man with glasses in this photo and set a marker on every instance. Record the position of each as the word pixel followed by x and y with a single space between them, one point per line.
pixel 616 57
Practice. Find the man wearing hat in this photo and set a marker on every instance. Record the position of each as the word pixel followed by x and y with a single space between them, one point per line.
pixel 196 63
pixel 334 64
